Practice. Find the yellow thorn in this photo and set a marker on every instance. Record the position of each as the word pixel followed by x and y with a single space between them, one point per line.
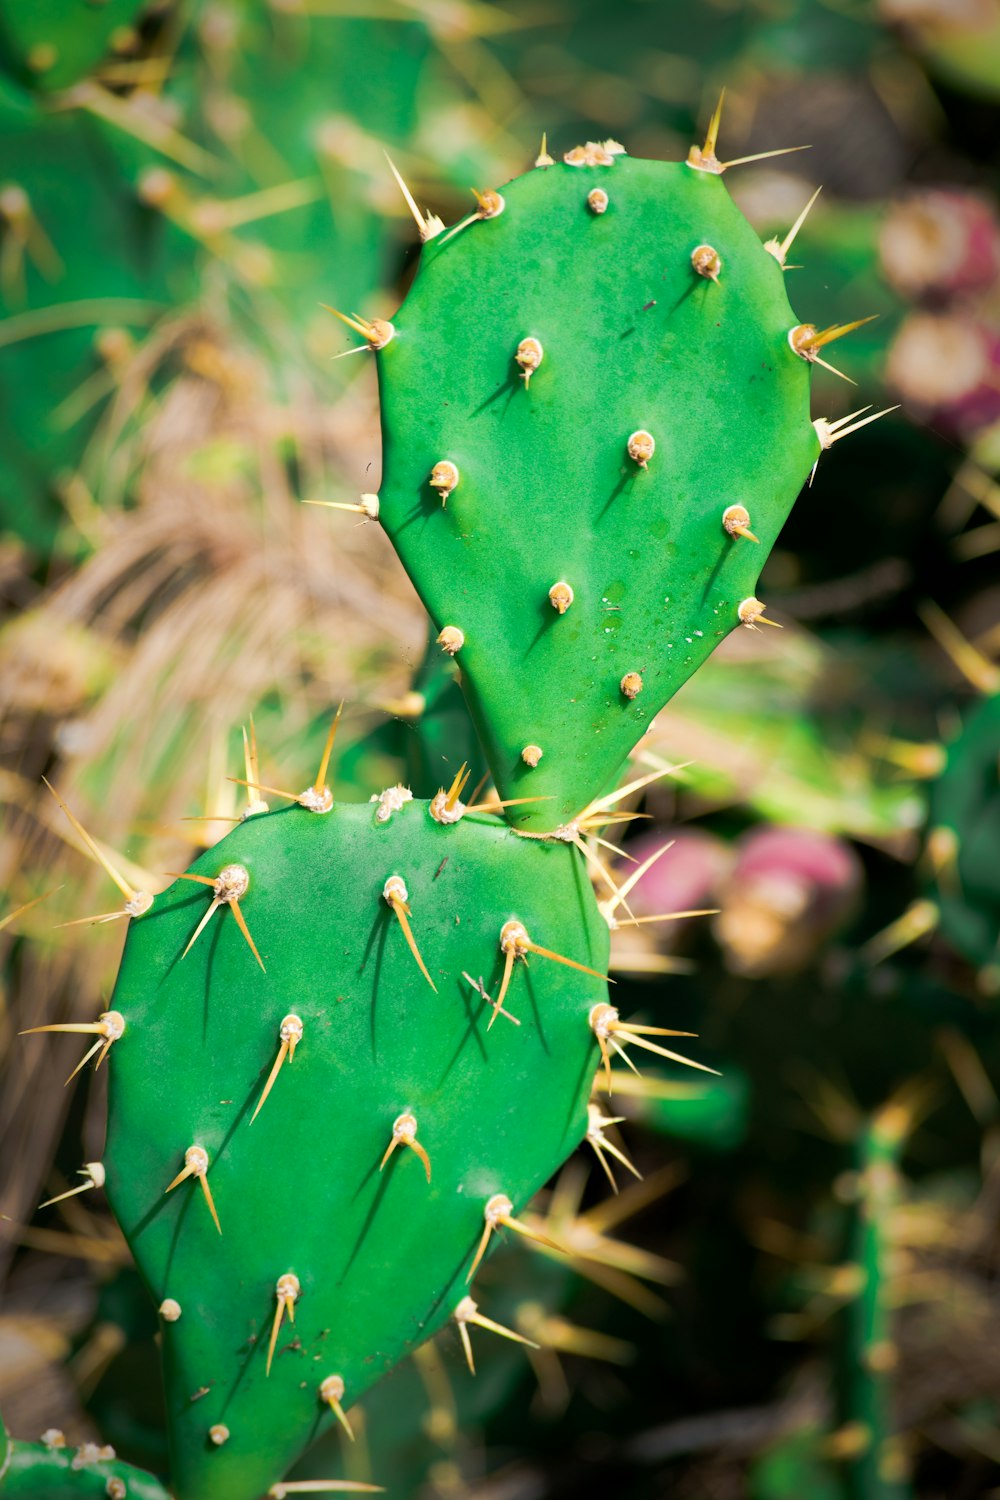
pixel 819 338
pixel 426 227
pixel 974 667
pixel 394 892
pixel 613 1034
pixel 108 1028
pixel 12 916
pixel 332 1389
pixel 671 916
pixel 287 1292
pixel 95 850
pixel 241 923
pixel 712 134
pixel 95 1175
pixel 251 764
pixel 515 943
pixel 319 785
pixel 262 786
pixel 608 907
pixel 404 1133
pixel 468 1312
pixel 736 522
pixel 289 1035
pixel 495 805
pixel 596 861
pixel 750 612
pixel 742 161
pixel 597 1124
pixel 376 331
pixel 780 248
pixel 570 963
pixel 229 885
pixel 510 954
pixel 499 1210
pixel 705 158
pixel 543 159
pixel 472 219
pixel 458 784
pixel 601 804
pixel 196 1165
pixel 368 506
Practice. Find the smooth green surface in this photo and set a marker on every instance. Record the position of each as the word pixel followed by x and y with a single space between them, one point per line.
pixel 966 800
pixel 35 1472
pixel 633 338
pixel 382 1258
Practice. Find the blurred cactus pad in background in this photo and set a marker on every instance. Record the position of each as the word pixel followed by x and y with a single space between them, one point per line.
pixel 485 1013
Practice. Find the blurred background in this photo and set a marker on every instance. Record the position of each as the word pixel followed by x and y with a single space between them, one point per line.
pixel 809 1307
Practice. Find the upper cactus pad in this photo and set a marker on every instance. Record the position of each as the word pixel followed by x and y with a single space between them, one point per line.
pixel 370 1259
pixel 575 394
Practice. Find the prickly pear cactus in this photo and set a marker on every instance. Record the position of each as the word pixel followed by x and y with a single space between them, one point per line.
pixel 352 1200
pixel 350 1043
pixel 49 1470
pixel 594 426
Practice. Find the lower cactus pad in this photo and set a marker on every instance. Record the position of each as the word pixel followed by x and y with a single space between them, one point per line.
pixel 303 1138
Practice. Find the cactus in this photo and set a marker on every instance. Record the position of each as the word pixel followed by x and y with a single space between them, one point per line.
pixel 48 1470
pixel 399 1031
pixel 349 1044
pixel 872 1459
pixel 619 426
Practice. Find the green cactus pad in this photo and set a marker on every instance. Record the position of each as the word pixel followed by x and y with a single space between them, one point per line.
pixel 381 1256
pixel 633 339
pixel 50 1471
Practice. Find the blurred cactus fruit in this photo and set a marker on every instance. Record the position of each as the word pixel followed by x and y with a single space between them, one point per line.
pixel 561 493
pixel 964 838
pixel 789 891
pixel 686 876
pixel 940 244
pixel 945 367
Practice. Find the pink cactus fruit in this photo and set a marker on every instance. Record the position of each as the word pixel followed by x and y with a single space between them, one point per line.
pixel 941 244
pixel 946 369
pixel 687 877
pixel 788 892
